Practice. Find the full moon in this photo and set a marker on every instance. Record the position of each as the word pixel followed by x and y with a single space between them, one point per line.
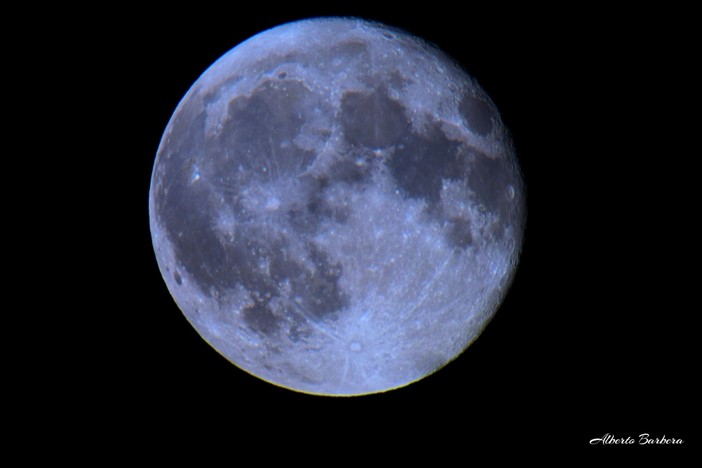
pixel 336 207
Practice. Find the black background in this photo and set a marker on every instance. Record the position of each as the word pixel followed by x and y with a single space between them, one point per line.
pixel 595 335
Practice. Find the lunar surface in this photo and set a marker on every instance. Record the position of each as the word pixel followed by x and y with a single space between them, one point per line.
pixel 336 207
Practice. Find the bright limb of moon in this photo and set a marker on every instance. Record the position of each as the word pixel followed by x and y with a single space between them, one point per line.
pixel 336 207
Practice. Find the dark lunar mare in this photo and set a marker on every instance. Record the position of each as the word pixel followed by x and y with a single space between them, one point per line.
pixel 476 114
pixel 255 256
pixel 420 162
pixel 256 146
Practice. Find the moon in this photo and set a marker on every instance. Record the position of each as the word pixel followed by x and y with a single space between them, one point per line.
pixel 336 207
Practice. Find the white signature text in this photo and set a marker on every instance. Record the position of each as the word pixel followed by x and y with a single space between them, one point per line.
pixel 643 439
